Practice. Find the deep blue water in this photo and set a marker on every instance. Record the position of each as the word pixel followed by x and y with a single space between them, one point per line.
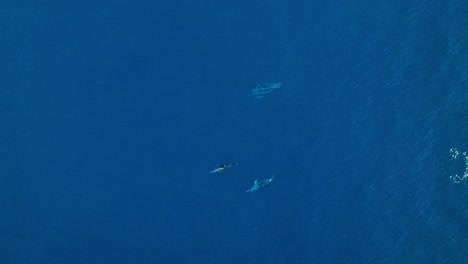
pixel 114 112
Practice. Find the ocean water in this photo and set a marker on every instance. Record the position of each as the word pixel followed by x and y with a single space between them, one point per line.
pixel 114 112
